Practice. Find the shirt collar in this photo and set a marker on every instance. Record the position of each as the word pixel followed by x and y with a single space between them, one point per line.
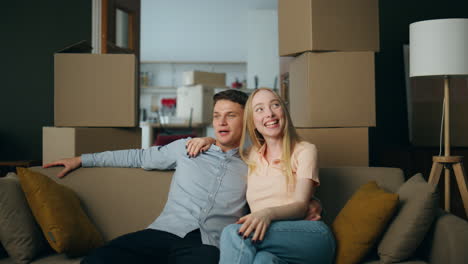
pixel 261 153
pixel 229 153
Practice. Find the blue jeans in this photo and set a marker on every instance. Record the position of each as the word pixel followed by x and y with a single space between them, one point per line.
pixel 284 242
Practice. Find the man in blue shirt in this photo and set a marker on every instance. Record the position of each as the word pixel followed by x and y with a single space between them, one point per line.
pixel 206 194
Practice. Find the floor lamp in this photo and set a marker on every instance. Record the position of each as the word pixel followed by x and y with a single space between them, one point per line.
pixel 439 48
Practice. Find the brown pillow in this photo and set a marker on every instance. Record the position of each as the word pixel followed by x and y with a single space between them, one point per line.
pixel 417 209
pixel 20 235
pixel 361 222
pixel 58 211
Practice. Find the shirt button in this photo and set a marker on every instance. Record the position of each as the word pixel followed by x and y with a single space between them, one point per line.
pixel 219 178
pixel 204 210
pixel 211 196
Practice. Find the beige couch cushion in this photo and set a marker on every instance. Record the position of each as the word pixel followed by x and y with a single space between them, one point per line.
pixel 19 233
pixel 134 196
pixel 141 195
pixel 417 209
pixel 339 184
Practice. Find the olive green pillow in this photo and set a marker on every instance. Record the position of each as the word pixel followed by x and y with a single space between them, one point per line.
pixel 417 210
pixel 58 211
pixel 20 236
pixel 361 222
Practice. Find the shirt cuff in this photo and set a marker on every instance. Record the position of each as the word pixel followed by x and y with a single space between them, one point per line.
pixel 87 160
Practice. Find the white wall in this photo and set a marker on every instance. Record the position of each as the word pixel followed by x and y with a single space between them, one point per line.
pixel 194 30
pixel 208 31
pixel 262 50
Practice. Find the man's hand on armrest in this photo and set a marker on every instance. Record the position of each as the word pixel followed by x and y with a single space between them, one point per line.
pixel 69 164
pixel 315 211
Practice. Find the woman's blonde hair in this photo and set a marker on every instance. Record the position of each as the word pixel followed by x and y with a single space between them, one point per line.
pixel 290 136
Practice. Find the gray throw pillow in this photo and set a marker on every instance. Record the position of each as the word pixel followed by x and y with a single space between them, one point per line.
pixel 19 233
pixel 416 212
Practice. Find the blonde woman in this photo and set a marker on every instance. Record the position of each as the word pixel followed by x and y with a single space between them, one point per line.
pixel 282 177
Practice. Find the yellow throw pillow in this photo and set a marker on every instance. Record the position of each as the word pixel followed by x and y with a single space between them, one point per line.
pixel 58 211
pixel 361 221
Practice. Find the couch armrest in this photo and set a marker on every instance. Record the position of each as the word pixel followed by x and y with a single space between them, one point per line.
pixel 449 240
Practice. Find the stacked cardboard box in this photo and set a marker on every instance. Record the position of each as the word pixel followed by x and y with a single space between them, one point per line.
pixel 95 90
pixel 214 79
pixel 194 103
pixel 331 77
pixel 194 98
pixel 95 105
pixel 68 142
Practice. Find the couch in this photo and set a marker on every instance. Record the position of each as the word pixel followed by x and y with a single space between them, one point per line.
pixel 122 200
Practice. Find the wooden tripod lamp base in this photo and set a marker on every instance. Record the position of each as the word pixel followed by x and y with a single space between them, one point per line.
pixel 439 48
pixel 446 163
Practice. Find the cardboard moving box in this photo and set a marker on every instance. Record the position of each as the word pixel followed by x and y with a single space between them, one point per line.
pixel 95 90
pixel 332 89
pixel 339 147
pixel 195 103
pixel 327 25
pixel 67 142
pixel 213 79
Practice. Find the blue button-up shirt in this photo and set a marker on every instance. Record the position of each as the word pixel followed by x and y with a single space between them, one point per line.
pixel 207 192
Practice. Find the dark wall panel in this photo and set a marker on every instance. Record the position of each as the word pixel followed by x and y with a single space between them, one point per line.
pixel 395 16
pixel 30 33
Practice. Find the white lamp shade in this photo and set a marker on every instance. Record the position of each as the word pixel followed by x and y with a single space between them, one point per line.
pixel 439 47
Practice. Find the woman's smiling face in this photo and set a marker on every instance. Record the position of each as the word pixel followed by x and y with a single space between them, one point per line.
pixel 268 115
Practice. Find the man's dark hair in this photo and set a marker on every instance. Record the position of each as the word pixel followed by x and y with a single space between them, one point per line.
pixel 231 95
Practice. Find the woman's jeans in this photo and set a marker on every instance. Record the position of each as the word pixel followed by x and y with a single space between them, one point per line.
pixel 284 242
